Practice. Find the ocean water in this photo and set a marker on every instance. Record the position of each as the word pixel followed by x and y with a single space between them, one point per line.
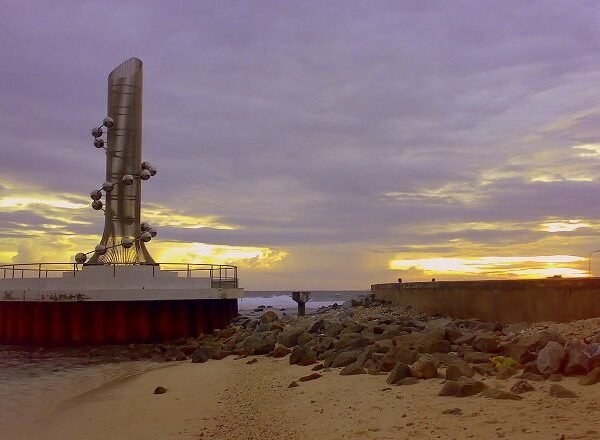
pixel 32 385
pixel 283 299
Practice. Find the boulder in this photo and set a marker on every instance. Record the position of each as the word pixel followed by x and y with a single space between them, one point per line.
pixel 260 343
pixel 424 369
pixel 577 360
pixel 345 358
pixel 201 355
pixel 311 376
pixel 591 378
pixel 459 368
pixel 281 351
pixel 485 369
pixel 317 326
pixel 495 393
pixel 352 369
pixel 399 372
pixel 522 386
pixel 289 338
pixel 302 356
pixel 174 354
pixel 462 387
pixel 550 358
pixel 305 338
pixel 487 343
pixel 269 316
pixel 477 357
pixel 333 329
pixel 506 372
pixel 407 381
pixel 531 376
pixel 386 364
pixel 403 354
pixel 561 392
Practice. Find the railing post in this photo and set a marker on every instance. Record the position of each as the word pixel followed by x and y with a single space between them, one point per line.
pixel 114 270
pixel 40 270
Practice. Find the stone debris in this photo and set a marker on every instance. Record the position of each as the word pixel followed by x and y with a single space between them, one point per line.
pixel 562 392
pixel 160 390
pixel 367 336
pixel 312 376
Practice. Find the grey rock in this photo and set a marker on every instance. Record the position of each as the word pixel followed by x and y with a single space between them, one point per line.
pixel 506 372
pixel 487 343
pixel 269 316
pixel 260 343
pixel 302 356
pixel 477 357
pixel 160 390
pixel 289 338
pixel 201 355
pixel 593 377
pixel 352 369
pixel 561 392
pixel 407 381
pixel 521 386
pixel 577 360
pixel 345 358
pixel 495 393
pixel 462 387
pixel 424 369
pixel 399 372
pixel 550 358
pixel 459 369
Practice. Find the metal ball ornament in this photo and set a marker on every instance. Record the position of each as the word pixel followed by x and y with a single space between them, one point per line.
pixel 96 195
pixel 98 143
pixel 127 242
pixel 145 226
pixel 127 179
pixel 100 249
pixel 145 175
pixel 108 122
pixel 97 132
pixel 152 232
pixel 97 205
pixel 107 186
pixel 146 165
pixel 152 170
pixel 146 237
pixel 80 258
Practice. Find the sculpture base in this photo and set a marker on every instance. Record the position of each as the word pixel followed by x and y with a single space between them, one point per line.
pixel 62 323
pixel 113 305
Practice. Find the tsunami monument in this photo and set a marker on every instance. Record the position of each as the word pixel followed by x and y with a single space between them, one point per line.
pixel 116 293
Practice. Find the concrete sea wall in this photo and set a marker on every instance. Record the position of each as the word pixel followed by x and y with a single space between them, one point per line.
pixel 560 300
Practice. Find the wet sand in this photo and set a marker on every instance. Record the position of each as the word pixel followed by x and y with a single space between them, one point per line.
pixel 230 399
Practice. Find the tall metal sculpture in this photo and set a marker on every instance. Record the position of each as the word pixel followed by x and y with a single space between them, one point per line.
pixel 124 237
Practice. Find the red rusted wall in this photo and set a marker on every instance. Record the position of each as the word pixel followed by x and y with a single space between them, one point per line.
pixel 114 322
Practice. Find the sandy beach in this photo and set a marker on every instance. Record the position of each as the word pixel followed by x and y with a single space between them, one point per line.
pixel 231 399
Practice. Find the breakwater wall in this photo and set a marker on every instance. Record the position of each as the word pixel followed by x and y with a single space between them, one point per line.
pixel 560 300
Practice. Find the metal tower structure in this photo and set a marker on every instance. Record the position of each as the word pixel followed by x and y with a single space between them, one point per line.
pixel 124 237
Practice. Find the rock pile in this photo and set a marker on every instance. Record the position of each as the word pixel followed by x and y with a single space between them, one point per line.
pixel 367 336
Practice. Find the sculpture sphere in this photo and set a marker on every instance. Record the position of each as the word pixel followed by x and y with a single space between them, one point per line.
pixel 127 179
pixel 100 248
pixel 108 122
pixel 97 205
pixel 127 242
pixel 96 195
pixel 107 186
pixel 152 170
pixel 97 132
pixel 145 175
pixel 80 258
pixel 145 226
pixel 99 143
pixel 146 237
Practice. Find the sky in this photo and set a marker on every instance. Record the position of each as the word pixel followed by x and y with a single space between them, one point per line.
pixel 316 145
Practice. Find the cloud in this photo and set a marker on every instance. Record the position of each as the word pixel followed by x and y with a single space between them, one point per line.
pixel 429 130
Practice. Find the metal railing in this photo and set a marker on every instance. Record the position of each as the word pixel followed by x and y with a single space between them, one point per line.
pixel 221 275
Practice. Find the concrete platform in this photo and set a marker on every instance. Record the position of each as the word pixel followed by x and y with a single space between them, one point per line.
pixel 112 304
pixel 550 299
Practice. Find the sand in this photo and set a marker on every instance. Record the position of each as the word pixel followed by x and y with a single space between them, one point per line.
pixel 231 399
